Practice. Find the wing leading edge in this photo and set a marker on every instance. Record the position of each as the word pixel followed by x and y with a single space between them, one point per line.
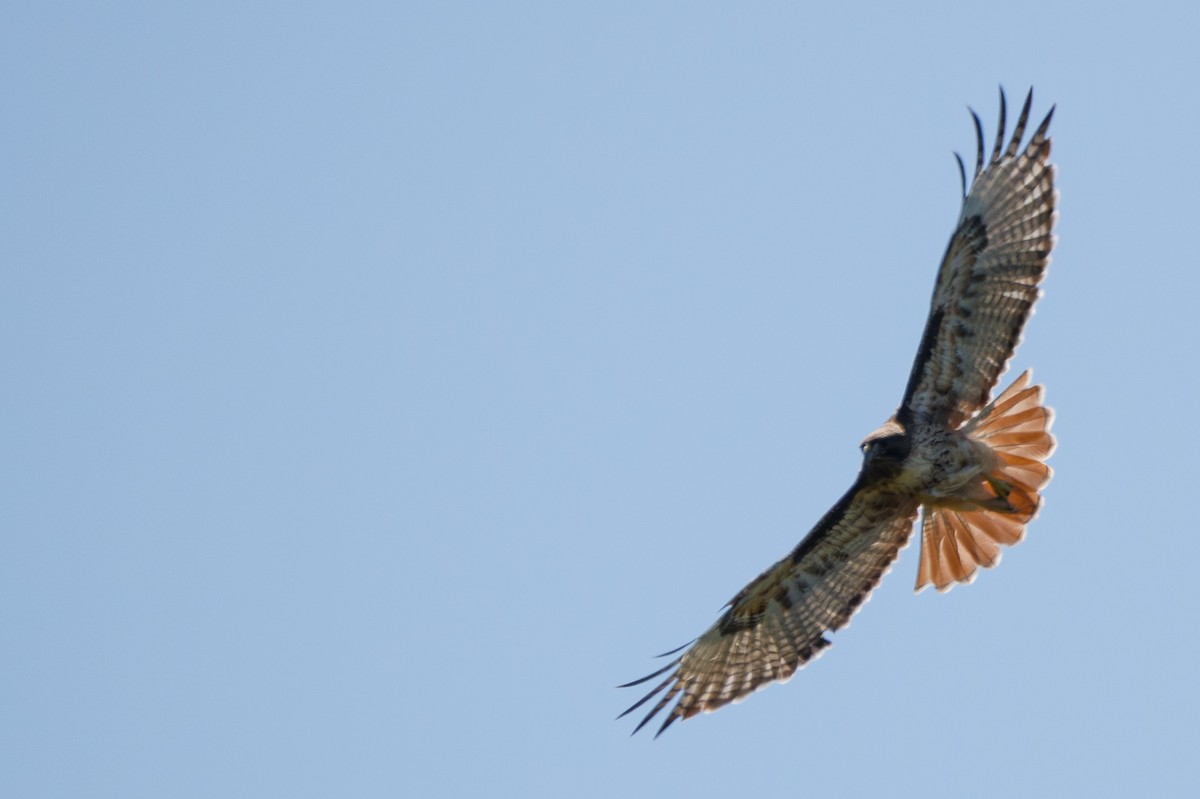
pixel 776 624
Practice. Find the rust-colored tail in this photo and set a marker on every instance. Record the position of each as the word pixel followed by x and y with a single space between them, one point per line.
pixel 958 538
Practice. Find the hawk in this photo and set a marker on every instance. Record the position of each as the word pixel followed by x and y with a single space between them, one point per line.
pixel 972 467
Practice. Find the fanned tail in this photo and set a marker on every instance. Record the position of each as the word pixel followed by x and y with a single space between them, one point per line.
pixel 958 538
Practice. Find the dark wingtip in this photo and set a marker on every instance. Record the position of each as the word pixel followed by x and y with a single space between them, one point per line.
pixel 999 145
pixel 672 690
pixel 962 173
pixel 676 649
pixel 667 723
pixel 641 724
pixel 1040 133
pixel 1019 131
pixel 649 677
pixel 999 150
pixel 978 142
pixel 647 698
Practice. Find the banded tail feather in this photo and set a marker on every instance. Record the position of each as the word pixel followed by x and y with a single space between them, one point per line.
pixel 957 539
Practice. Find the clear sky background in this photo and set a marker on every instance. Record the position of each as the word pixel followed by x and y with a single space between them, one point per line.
pixel 383 383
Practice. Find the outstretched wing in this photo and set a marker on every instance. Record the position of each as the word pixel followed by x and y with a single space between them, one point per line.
pixel 776 624
pixel 989 278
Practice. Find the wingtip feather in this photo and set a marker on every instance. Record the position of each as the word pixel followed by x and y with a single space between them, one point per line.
pixel 998 146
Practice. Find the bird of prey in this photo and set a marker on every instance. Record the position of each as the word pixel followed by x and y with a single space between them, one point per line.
pixel 973 466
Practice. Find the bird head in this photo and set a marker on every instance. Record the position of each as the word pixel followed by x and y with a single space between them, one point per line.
pixel 885 449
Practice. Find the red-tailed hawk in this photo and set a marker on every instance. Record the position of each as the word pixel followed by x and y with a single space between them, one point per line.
pixel 973 467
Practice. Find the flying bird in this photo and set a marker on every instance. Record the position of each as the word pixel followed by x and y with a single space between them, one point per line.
pixel 972 466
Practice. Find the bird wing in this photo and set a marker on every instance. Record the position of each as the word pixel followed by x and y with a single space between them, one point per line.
pixel 776 624
pixel 988 280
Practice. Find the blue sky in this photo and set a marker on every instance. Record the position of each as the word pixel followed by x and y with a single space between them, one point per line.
pixel 384 383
